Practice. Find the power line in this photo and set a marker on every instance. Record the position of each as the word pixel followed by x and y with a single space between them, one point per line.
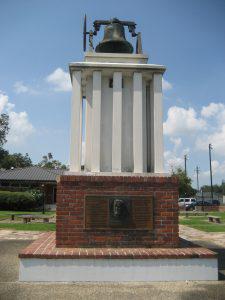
pixel 210 167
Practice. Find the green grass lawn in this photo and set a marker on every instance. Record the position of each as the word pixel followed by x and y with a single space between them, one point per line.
pixel 7 213
pixel 29 226
pixel 197 222
pixel 202 223
pixel 8 224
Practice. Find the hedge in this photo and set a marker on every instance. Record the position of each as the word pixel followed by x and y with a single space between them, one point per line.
pixel 19 200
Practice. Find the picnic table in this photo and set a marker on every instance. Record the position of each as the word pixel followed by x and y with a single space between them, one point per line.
pixel 214 219
pixel 28 218
pixel 195 213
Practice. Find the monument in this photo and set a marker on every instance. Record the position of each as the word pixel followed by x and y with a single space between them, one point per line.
pixel 117 215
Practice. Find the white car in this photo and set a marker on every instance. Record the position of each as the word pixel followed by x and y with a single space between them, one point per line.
pixel 184 202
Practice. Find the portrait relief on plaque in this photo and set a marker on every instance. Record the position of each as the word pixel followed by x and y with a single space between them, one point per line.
pixel 119 212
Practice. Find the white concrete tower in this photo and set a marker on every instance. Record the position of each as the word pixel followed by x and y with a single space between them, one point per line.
pixel 124 114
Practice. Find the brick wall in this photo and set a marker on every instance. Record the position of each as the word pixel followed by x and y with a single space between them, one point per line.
pixel 71 193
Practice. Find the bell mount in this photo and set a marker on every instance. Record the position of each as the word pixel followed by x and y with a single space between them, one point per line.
pixel 96 27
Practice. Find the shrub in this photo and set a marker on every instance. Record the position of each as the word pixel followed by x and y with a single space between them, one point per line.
pixel 18 201
pixel 38 196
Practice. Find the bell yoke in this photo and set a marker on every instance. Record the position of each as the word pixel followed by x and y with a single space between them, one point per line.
pixel 114 40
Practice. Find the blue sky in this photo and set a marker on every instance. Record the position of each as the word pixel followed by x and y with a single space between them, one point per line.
pixel 40 38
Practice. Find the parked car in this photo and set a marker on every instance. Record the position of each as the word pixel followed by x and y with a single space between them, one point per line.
pixel 203 203
pixel 190 206
pixel 186 202
pixel 215 202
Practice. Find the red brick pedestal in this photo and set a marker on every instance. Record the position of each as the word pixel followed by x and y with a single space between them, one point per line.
pixel 143 250
pixel 72 191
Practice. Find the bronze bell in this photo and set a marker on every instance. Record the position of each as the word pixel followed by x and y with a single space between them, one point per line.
pixel 114 40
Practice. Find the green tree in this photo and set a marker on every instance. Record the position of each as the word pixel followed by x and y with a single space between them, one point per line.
pixel 216 188
pixel 8 161
pixel 185 188
pixel 4 128
pixel 3 154
pixel 16 160
pixel 50 163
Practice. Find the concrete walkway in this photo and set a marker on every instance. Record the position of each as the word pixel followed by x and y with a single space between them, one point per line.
pixel 211 240
pixel 11 289
pixel 8 234
pixel 11 242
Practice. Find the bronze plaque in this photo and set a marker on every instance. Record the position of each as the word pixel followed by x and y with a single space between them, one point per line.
pixel 119 212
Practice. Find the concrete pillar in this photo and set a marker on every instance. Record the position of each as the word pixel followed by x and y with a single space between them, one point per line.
pixel 137 123
pixel 88 127
pixel 76 116
pixel 157 162
pixel 144 124
pixel 96 122
pixel 117 123
pixel 106 125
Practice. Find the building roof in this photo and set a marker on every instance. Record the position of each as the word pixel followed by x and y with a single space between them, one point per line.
pixel 33 173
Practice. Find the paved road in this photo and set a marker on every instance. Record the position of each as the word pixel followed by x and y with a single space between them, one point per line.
pixel 11 289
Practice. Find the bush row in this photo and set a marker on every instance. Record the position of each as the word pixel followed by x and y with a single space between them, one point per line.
pixel 20 200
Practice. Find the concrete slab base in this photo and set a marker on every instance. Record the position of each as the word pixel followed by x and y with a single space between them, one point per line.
pixel 117 270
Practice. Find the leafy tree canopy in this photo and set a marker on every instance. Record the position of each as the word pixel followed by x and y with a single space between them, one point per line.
pixel 185 188
pixel 4 128
pixel 16 160
pixel 9 161
pixel 220 189
pixel 50 163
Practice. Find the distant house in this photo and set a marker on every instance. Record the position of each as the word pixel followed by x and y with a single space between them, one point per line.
pixel 32 177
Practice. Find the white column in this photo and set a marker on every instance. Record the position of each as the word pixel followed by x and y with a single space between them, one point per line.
pixel 88 119
pixel 157 160
pixel 144 124
pixel 76 116
pixel 137 123
pixel 117 122
pixel 96 122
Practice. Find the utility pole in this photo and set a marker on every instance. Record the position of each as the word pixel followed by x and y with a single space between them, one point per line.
pixel 197 170
pixel 210 166
pixel 185 163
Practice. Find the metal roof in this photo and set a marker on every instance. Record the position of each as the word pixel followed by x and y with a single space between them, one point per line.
pixel 33 173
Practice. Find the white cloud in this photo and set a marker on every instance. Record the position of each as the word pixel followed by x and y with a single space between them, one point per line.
pixel 177 142
pixel 166 85
pixel 20 128
pixel 3 101
pixel 216 138
pixel 187 127
pixel 60 80
pixel 21 88
pixel 19 124
pixel 181 121
pixel 218 168
pixel 172 160
pixel 214 113
pixel 212 109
